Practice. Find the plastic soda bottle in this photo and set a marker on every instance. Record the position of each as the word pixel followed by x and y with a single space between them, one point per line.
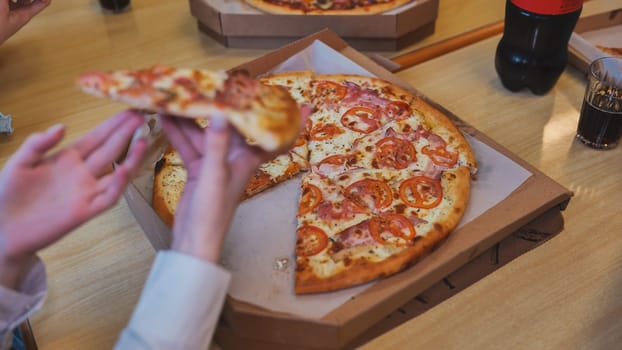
pixel 533 51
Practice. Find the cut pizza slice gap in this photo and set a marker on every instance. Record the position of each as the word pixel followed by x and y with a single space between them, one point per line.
pixel 266 115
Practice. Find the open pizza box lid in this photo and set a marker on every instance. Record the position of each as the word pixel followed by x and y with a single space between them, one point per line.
pixel 604 29
pixel 507 195
pixel 236 24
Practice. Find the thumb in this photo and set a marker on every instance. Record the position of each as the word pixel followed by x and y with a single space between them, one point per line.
pixel 37 145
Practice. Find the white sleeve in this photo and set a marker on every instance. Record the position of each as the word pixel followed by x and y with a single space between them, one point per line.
pixel 17 305
pixel 179 306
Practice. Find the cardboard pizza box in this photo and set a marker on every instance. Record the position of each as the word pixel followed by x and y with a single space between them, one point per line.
pixel 233 23
pixel 507 195
pixel 519 242
pixel 598 29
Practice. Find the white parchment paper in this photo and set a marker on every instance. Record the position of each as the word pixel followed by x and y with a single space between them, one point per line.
pixel 263 227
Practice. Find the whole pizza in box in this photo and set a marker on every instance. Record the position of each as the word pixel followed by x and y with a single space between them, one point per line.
pixel 386 176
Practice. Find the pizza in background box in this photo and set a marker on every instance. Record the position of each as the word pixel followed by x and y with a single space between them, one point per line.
pixel 387 179
pixel 326 7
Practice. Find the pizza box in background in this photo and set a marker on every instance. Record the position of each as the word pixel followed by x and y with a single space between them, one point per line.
pixel 359 316
pixel 603 29
pixel 236 24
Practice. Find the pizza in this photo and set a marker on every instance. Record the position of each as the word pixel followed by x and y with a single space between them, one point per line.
pixel 385 179
pixel 266 115
pixel 614 51
pixel 326 7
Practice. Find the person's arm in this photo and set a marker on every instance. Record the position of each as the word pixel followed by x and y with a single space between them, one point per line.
pixel 45 196
pixel 17 305
pixel 185 291
pixel 179 306
pixel 12 20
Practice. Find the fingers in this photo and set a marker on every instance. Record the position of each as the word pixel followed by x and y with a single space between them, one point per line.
pixel 106 152
pixel 98 136
pixel 19 17
pixel 37 145
pixel 184 135
pixel 135 155
pixel 110 188
pixel 216 143
pixel 305 112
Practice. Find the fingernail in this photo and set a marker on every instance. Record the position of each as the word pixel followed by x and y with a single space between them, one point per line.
pixel 218 122
pixel 55 128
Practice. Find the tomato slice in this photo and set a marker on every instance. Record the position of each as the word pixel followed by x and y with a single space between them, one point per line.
pixel 310 197
pixel 325 132
pixel 395 153
pixel 385 226
pixel 311 240
pixel 329 91
pixel 398 110
pixel 421 192
pixel 441 156
pixel 360 119
pixel 370 194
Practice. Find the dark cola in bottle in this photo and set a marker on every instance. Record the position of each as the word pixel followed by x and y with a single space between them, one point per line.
pixel 533 51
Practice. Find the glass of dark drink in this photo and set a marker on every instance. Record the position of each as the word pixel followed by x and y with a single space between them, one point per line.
pixel 115 5
pixel 600 123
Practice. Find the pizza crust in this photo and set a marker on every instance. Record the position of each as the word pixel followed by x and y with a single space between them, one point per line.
pixel 168 187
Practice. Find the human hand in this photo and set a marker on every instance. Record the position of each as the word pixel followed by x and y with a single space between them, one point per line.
pixel 12 20
pixel 219 163
pixel 43 197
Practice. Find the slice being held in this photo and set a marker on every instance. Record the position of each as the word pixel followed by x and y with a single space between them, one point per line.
pixel 266 115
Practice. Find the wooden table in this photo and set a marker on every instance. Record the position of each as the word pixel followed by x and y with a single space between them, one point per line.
pixel 565 294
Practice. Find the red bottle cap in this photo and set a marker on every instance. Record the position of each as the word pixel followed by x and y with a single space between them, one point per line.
pixel 549 7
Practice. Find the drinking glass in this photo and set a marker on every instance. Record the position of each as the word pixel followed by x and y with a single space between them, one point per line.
pixel 600 123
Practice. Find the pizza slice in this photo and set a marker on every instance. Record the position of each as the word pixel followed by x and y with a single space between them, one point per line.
pixel 266 115
pixel 407 144
pixel 280 169
pixel 365 224
pixel 348 108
